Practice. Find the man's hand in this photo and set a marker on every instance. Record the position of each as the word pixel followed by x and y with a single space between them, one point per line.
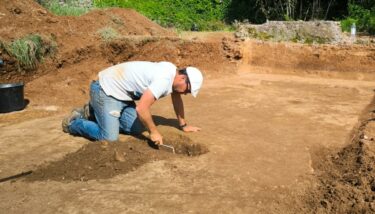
pixel 156 138
pixel 143 111
pixel 190 129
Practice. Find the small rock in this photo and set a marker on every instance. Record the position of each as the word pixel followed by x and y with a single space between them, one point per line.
pixel 104 145
pixel 42 12
pixel 119 156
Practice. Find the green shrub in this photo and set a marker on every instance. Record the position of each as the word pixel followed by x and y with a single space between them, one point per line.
pixel 362 17
pixel 347 23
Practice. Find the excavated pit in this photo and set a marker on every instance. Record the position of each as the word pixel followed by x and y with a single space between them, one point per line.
pixel 345 179
pixel 103 160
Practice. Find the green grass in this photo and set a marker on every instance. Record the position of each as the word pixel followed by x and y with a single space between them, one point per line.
pixel 27 50
pixel 30 50
pixel 180 14
pixel 67 9
pixel 108 34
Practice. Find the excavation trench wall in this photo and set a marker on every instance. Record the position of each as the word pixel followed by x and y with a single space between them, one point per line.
pixel 346 62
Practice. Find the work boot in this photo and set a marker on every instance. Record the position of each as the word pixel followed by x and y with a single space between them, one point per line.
pixel 88 112
pixel 75 114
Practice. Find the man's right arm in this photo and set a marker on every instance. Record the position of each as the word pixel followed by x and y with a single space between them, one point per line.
pixel 144 114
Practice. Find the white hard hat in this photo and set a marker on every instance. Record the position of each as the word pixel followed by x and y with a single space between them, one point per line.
pixel 195 78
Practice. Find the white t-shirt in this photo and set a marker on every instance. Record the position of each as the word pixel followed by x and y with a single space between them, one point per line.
pixel 129 80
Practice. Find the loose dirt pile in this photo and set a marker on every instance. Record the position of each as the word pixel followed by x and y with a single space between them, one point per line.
pixel 81 52
pixel 22 17
pixel 72 35
pixel 347 178
pixel 103 160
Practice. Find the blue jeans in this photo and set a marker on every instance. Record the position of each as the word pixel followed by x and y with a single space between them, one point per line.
pixel 112 117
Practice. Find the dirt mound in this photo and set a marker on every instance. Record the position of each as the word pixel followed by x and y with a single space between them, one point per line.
pixel 27 17
pixel 347 178
pixel 72 74
pixel 82 52
pixel 70 35
pixel 102 160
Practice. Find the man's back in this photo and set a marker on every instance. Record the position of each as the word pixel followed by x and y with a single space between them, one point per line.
pixel 128 81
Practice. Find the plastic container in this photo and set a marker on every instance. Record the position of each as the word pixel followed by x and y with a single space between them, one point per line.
pixel 11 97
pixel 353 30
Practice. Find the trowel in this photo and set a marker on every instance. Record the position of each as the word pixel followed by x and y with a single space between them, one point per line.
pixel 167 148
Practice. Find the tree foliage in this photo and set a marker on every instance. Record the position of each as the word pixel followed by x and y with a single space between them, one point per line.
pixel 211 14
pixel 183 14
pixel 258 11
pixel 362 13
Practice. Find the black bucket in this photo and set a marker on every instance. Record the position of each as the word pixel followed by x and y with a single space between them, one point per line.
pixel 11 97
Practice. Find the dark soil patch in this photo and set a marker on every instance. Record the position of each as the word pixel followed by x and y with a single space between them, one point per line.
pixel 102 160
pixel 346 180
pixel 184 146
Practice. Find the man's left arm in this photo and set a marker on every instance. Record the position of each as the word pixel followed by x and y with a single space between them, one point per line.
pixel 178 107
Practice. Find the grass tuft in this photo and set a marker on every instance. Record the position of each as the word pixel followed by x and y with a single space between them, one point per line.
pixel 30 50
pixel 108 34
pixel 65 9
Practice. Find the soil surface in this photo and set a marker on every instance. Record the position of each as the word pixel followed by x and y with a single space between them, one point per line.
pixel 288 127
pixel 346 181
pixel 103 160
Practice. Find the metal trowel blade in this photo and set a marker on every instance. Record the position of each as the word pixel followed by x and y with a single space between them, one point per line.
pixel 167 148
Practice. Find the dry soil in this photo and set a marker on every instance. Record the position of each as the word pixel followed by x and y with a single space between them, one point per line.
pixel 286 128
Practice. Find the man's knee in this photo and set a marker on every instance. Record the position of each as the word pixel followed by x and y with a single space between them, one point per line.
pixel 109 138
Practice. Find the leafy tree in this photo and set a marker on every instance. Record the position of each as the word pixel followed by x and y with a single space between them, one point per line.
pixel 258 11
pixel 362 13
pixel 211 14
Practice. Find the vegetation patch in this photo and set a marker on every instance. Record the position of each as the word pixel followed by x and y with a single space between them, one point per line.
pixel 254 33
pixel 319 32
pixel 108 34
pixel 29 50
pixel 66 8
pixel 182 14
pixel 363 16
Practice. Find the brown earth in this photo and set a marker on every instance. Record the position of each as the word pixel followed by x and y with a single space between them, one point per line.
pixel 346 181
pixel 103 160
pixel 278 143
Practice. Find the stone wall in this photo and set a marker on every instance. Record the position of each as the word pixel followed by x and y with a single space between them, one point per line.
pixel 320 32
